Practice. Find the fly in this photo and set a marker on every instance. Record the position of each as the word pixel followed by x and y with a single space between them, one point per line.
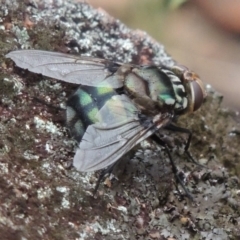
pixel 117 105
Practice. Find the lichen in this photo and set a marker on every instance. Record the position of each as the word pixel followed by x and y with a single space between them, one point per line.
pixel 43 197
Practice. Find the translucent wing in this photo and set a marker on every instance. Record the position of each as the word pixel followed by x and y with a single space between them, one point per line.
pixel 117 131
pixel 68 68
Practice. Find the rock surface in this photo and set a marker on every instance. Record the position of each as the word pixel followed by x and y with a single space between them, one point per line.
pixel 43 197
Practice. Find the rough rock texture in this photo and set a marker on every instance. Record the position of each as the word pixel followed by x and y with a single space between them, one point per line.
pixel 43 197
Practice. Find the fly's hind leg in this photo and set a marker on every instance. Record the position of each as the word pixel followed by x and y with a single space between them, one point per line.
pixel 102 176
pixel 174 168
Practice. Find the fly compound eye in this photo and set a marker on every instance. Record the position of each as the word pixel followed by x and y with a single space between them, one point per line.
pixel 197 90
pixel 198 94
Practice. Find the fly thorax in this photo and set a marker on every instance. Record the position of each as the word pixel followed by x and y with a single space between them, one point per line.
pixel 144 82
pixel 179 95
pixel 163 87
pixel 135 85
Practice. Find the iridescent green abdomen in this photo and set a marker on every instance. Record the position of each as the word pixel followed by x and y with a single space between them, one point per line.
pixel 83 106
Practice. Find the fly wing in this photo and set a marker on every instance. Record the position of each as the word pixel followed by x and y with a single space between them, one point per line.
pixel 68 68
pixel 117 131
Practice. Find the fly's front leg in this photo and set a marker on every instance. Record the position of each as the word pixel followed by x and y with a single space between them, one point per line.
pixel 174 168
pixel 174 128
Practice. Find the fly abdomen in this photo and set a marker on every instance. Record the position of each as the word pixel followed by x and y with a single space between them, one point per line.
pixel 83 106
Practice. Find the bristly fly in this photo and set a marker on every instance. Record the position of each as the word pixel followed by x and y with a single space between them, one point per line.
pixel 117 105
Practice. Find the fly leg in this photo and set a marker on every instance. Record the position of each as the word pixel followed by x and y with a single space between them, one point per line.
pixel 174 168
pixel 102 176
pixel 174 128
